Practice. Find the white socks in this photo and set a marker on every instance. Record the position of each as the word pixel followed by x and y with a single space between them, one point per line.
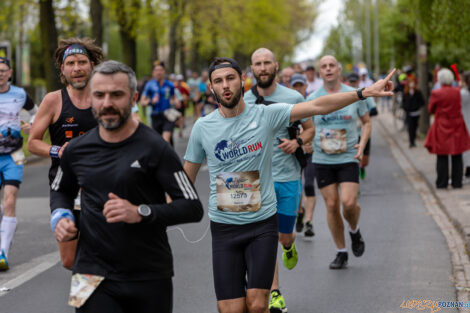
pixel 342 250
pixel 7 230
pixel 354 231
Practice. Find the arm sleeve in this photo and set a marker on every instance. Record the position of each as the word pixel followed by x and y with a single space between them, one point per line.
pixel 146 90
pixel 432 102
pixel 278 115
pixel 185 206
pixel 64 188
pixel 362 107
pixel 29 103
pixel 194 151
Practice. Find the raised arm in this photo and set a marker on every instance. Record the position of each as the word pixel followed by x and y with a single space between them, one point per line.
pixel 327 104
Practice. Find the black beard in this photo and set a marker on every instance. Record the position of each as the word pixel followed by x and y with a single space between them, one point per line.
pixel 267 83
pixel 233 102
pixel 112 124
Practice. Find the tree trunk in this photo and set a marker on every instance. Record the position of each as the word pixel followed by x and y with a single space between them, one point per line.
pixel 127 22
pixel 195 55
pixel 422 75
pixel 182 49
pixel 153 41
pixel 153 46
pixel 96 12
pixel 129 49
pixel 173 47
pixel 49 41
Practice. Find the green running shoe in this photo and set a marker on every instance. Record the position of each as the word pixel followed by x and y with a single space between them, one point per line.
pixel 3 262
pixel 277 304
pixel 362 173
pixel 290 257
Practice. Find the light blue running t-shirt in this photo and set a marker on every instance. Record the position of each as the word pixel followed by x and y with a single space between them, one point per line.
pixel 285 166
pixel 336 133
pixel 370 105
pixel 239 157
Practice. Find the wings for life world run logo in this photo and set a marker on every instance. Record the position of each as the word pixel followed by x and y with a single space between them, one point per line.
pixel 226 150
pixel 337 117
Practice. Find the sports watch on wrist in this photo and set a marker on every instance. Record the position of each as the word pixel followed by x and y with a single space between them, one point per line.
pixel 144 210
pixel 300 141
pixel 359 93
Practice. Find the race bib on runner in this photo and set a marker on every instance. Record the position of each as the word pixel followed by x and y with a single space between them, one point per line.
pixel 333 141
pixel 238 191
pixel 82 287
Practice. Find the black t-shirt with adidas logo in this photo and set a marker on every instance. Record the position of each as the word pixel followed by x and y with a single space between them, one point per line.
pixel 139 169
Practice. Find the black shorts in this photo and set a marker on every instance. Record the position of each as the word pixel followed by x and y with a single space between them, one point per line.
pixel 243 257
pixel 309 177
pixel 367 147
pixel 328 174
pixel 146 296
pixel 161 124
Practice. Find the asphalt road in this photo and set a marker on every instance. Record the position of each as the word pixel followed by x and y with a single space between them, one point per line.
pixel 406 256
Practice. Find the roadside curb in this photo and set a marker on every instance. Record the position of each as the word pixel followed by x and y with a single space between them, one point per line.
pixel 455 238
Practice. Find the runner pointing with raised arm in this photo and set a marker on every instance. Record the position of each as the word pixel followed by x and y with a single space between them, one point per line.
pixel 237 142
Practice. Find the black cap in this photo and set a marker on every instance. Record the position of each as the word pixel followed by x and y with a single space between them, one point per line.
pixel 222 63
pixel 5 61
pixel 310 68
pixel 353 77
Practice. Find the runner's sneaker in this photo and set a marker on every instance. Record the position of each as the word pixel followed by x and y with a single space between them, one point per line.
pixel 3 262
pixel 362 173
pixel 357 244
pixel 290 257
pixel 299 224
pixel 341 261
pixel 309 230
pixel 277 304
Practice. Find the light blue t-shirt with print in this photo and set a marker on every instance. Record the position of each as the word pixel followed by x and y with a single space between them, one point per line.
pixel 241 144
pixel 285 166
pixel 336 133
pixel 370 105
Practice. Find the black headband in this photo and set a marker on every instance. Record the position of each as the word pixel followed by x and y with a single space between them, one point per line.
pixel 227 62
pixel 5 61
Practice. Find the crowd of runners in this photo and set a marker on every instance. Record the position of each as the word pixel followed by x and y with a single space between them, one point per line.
pixel 258 130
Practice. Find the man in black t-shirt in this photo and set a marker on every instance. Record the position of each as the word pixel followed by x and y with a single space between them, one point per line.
pixel 124 169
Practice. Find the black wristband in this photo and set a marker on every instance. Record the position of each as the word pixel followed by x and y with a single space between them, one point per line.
pixel 359 93
pixel 54 151
pixel 300 141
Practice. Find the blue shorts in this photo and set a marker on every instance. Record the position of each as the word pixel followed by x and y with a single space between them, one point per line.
pixel 10 173
pixel 288 198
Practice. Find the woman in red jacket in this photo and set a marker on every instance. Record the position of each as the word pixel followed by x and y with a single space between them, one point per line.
pixel 448 134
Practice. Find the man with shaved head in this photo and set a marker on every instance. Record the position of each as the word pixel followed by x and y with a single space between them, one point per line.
pixel 286 75
pixel 336 158
pixel 285 167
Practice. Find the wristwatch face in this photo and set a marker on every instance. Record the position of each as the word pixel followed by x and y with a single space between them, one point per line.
pixel 144 210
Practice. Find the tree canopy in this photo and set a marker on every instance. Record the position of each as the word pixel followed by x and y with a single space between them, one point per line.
pixel 186 34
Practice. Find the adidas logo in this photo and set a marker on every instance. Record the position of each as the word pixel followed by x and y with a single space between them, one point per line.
pixel 136 164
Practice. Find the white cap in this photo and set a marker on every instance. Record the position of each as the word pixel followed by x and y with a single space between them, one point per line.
pixel 363 71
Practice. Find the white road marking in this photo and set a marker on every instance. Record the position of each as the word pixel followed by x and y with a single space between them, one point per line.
pixel 22 273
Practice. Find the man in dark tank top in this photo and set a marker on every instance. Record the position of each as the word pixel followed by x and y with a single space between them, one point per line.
pixel 66 112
